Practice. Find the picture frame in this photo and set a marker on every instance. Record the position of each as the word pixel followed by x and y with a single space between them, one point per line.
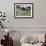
pixel 23 10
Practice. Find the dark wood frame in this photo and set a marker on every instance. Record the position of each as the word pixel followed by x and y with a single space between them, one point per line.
pixel 23 17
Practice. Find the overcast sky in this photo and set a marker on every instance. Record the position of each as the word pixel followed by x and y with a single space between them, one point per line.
pixel 24 5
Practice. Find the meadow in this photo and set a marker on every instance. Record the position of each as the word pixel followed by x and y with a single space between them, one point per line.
pixel 21 11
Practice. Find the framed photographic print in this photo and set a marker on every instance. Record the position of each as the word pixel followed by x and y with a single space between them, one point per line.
pixel 23 9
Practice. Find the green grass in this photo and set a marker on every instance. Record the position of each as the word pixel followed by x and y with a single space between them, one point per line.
pixel 20 12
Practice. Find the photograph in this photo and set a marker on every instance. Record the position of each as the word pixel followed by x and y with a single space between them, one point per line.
pixel 23 9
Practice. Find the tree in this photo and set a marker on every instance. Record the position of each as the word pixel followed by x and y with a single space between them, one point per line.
pixel 2 18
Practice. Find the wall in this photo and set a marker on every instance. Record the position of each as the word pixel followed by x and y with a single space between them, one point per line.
pixel 39 14
pixel 39 10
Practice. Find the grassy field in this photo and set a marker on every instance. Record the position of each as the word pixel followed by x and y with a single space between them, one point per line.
pixel 20 12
